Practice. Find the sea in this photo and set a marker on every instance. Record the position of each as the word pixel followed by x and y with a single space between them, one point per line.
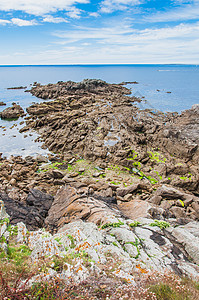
pixel 162 87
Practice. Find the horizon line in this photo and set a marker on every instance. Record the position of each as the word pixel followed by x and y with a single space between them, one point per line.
pixel 112 64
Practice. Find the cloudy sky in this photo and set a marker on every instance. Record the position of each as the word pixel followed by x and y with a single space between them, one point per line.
pixel 99 31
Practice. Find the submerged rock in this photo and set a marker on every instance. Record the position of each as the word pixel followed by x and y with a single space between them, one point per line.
pixel 17 88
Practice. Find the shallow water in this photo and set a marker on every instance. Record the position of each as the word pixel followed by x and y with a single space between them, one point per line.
pixel 155 81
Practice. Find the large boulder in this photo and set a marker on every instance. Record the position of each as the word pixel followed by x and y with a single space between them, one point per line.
pixel 13 112
pixel 72 204
pixel 33 213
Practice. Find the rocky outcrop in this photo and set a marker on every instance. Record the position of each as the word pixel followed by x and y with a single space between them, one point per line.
pixel 13 112
pixel 32 213
pixel 73 204
pixel 52 91
pixel 2 103
pixel 125 186
pixel 99 122
pixel 134 196
pixel 128 248
pixel 85 203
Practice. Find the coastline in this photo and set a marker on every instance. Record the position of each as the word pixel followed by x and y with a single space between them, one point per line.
pixel 114 165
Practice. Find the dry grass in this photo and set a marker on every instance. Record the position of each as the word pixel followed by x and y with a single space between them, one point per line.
pixel 15 286
pixel 16 271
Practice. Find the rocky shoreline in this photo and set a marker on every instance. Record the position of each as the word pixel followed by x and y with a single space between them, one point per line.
pixel 121 178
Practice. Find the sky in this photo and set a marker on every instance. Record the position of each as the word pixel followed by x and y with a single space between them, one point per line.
pixel 42 32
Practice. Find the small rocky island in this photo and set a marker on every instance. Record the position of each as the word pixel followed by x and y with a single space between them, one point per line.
pixel 113 212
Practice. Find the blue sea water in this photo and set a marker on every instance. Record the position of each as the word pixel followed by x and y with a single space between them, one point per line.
pixel 164 87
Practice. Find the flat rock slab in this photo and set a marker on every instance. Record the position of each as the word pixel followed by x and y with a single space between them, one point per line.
pixel 135 209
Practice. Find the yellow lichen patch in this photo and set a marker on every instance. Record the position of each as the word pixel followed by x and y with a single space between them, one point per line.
pixel 143 271
pixel 83 246
pixel 79 269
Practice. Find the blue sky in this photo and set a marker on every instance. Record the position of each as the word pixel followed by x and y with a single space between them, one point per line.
pixel 99 32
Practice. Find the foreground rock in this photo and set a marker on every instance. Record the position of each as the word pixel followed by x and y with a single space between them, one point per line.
pixel 140 236
pixel 13 112
pixel 121 249
pixel 32 213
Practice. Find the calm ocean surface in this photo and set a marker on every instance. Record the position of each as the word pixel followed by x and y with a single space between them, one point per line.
pixel 155 81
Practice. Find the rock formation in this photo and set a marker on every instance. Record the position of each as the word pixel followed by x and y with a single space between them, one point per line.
pixel 124 184
pixel 13 112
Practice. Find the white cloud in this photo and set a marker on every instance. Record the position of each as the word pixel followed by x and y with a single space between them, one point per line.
pixel 179 13
pixel 38 7
pixel 122 44
pixel 94 14
pixel 74 13
pixel 178 32
pixel 124 34
pixel 18 22
pixel 51 19
pixel 94 33
pixel 4 22
pixel 21 22
pixel 108 6
pixel 157 52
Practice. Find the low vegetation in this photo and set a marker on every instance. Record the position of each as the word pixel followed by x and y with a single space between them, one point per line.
pixel 160 224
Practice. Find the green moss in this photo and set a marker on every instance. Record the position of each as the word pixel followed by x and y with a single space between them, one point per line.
pixel 137 164
pixel 133 154
pixel 115 183
pixel 152 180
pixel 115 168
pixel 13 230
pixel 58 240
pixel 45 235
pixel 117 224
pixel 156 172
pixel 102 175
pixel 72 240
pixel 135 224
pixel 137 245
pixel 160 224
pixel 115 244
pixel 185 177
pixel 156 156
pixel 5 220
